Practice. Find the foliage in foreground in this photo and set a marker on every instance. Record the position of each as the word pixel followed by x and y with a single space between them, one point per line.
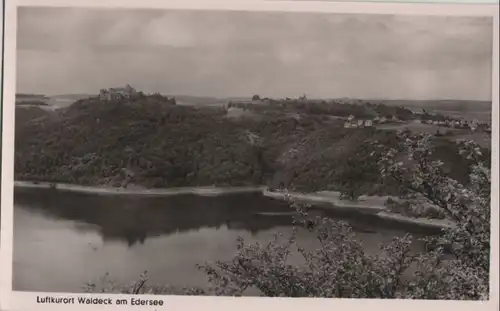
pixel 340 268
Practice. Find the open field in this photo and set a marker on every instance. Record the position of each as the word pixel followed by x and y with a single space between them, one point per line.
pixel 483 139
pixel 420 127
pixel 481 116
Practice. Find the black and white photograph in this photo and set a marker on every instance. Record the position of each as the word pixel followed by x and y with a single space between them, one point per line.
pixel 252 153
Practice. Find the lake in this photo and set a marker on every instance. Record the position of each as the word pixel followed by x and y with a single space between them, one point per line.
pixel 63 240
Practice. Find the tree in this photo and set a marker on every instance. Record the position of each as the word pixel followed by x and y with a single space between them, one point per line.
pixel 350 178
pixel 467 276
pixel 357 171
pixel 256 97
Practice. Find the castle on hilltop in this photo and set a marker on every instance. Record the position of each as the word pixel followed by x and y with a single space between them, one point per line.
pixel 126 92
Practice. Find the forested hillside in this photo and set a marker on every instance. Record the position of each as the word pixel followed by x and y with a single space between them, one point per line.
pixel 153 142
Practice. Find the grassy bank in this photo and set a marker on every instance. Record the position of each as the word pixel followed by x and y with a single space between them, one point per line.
pixel 365 204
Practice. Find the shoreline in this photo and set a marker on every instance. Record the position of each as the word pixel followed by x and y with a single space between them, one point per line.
pixel 326 197
pixel 207 191
pixel 372 205
pixel 321 200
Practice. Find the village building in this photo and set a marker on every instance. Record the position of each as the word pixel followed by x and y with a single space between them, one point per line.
pixel 358 123
pixel 474 125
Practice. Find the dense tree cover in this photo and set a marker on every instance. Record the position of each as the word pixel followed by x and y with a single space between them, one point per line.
pixel 392 111
pixel 29 114
pixel 152 142
pixel 340 268
pixel 344 160
pixel 303 105
pixel 332 108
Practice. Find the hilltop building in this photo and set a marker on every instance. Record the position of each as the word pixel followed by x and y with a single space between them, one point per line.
pixel 126 92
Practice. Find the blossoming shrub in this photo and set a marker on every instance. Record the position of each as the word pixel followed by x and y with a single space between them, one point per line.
pixel 467 275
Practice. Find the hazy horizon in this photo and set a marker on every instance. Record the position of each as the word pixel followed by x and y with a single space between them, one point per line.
pixel 225 54
pixel 262 96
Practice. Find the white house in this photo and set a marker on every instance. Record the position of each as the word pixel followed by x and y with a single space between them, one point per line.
pixel 351 123
pixel 474 125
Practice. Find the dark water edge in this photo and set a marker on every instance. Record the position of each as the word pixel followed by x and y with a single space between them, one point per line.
pixel 62 239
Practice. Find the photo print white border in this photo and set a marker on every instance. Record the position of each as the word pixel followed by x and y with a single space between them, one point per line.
pixel 26 301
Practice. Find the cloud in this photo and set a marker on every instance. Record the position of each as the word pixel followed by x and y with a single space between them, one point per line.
pixel 240 53
pixel 168 31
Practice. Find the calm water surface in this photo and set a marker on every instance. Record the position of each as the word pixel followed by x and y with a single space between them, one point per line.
pixel 63 240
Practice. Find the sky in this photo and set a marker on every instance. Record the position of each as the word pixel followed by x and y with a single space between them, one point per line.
pixel 235 53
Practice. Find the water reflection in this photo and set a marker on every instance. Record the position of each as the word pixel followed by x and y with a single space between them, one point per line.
pixel 133 219
pixel 62 239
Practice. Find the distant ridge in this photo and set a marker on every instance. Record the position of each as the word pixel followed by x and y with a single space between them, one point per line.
pixel 23 96
pixel 30 95
pixel 437 104
pixel 442 104
pixel 68 96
